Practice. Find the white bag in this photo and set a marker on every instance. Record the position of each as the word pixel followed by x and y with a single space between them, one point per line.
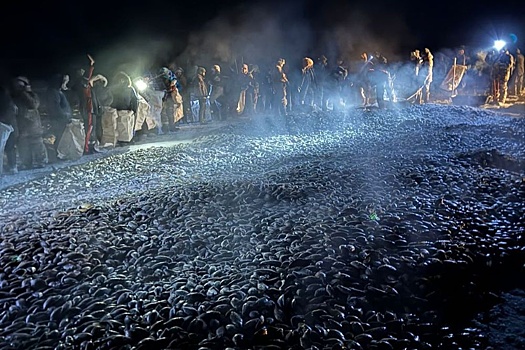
pixel 125 126
pixel 109 127
pixel 71 145
pixel 154 99
pixel 142 113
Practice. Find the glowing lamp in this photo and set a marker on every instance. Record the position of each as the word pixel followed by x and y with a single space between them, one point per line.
pixel 499 44
pixel 141 85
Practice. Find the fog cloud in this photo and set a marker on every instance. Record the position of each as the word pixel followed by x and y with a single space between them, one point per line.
pixel 262 32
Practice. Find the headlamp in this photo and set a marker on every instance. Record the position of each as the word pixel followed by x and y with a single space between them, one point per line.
pixel 141 84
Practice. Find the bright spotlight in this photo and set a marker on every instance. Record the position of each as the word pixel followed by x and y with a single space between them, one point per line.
pixel 141 85
pixel 499 44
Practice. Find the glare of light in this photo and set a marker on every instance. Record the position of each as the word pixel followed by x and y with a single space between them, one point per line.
pixel 141 85
pixel 499 44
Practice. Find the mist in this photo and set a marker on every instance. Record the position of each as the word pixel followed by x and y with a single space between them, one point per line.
pixel 260 33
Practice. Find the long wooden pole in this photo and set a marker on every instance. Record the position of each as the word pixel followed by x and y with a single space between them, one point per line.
pixel 454 76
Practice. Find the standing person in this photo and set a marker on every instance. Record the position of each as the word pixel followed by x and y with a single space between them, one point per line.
pixel 81 102
pixel 425 75
pixel 247 91
pixel 201 92
pixel 58 107
pixel 501 71
pixel 217 92
pixel 362 79
pixel 338 79
pixel 279 87
pixel 462 59
pixel 90 133
pixel 380 79
pixel 172 109
pixel 154 94
pixel 185 91
pixel 8 116
pixel 125 101
pixel 264 101
pixel 308 87
pixel 322 82
pixel 518 73
pixel 256 85
pixel 30 145
pixel 101 99
pixel 417 60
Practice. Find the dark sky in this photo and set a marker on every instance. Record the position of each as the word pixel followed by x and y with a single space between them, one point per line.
pixel 53 36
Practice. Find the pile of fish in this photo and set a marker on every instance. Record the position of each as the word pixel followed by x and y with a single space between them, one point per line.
pixel 374 229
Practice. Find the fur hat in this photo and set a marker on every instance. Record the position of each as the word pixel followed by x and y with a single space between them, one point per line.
pixel 123 78
pixel 21 83
pixel 98 77
pixel 167 74
pixel 308 62
pixel 22 80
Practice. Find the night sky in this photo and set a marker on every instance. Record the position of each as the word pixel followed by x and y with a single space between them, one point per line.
pixel 46 37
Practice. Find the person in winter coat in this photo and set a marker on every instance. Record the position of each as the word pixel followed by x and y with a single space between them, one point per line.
pixel 338 80
pixel 172 102
pixel 58 107
pixel 256 83
pixel 279 87
pixel 323 75
pixel 30 145
pixel 101 97
pixel 264 100
pixel 124 94
pixel 8 112
pixel 81 102
pixel 380 79
pixel 308 87
pixel 216 84
pixel 426 75
pixel 501 71
pixel 417 61
pixel 247 91
pixel 125 101
pixel 185 91
pixel 200 90
pixel 518 73
pixel 362 79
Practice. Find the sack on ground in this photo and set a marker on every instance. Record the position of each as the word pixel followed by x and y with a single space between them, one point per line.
pixel 125 125
pixel 109 127
pixel 71 145
pixel 142 113
pixel 154 99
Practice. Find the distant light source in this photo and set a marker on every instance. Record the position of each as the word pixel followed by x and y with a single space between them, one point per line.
pixel 141 85
pixel 499 44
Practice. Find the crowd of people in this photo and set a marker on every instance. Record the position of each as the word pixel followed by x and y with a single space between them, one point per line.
pixel 121 110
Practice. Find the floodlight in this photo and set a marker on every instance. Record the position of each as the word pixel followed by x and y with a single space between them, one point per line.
pixel 499 44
